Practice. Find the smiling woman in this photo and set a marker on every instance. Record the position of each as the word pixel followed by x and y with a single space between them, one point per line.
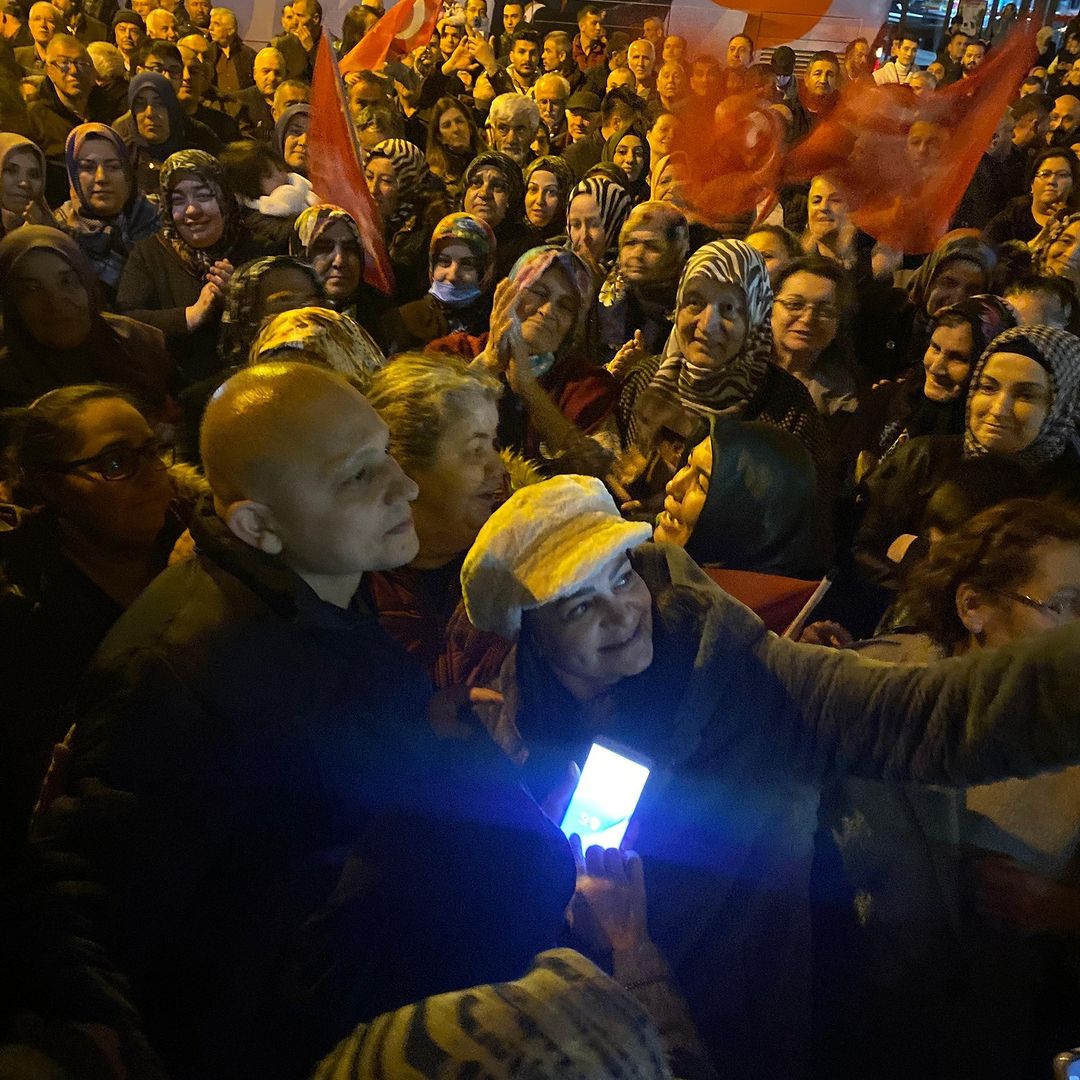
pixel 22 183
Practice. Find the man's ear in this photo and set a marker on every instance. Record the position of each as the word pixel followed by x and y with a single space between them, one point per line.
pixel 253 523
pixel 972 608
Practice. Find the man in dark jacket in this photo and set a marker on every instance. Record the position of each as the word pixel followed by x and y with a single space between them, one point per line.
pixel 13 28
pixel 293 851
pixel 253 106
pixel 619 109
pixel 80 25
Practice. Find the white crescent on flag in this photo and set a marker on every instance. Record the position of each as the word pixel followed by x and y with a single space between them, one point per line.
pixel 419 10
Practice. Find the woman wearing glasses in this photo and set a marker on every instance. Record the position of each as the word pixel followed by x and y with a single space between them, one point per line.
pixel 954 883
pixel 90 525
pixel 55 332
pixel 1053 188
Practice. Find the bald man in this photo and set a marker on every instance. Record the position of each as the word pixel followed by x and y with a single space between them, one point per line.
pixel 253 105
pixel 292 850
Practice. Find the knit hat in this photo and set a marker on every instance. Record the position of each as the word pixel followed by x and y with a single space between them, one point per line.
pixel 125 15
pixel 542 544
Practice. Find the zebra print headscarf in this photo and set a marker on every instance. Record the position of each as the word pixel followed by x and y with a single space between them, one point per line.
pixel 1058 353
pixel 728 389
pixel 614 202
pixel 564 1020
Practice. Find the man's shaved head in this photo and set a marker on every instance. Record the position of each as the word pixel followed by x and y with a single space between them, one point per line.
pixel 297 461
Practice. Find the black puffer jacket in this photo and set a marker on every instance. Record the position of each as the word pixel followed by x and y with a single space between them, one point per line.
pixel 292 850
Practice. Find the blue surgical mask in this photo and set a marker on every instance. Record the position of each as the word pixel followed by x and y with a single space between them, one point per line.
pixel 449 292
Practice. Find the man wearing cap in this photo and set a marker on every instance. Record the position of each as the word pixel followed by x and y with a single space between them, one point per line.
pixel 129 32
pixel 783 87
pixel 618 636
pixel 582 115
pixel 289 850
pixel 13 28
pixel 618 111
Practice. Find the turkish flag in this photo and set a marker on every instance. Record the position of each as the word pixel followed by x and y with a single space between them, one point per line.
pixel 904 160
pixel 334 165
pixel 406 26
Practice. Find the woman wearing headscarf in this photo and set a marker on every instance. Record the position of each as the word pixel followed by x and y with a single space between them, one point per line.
pixel 746 500
pixel 55 332
pixel 329 239
pixel 595 213
pixel 1023 408
pixel 638 297
pixel 893 327
pixel 106 214
pixel 495 193
pixel 717 362
pixel 548 181
pixel 461 266
pixel 931 399
pixel 155 128
pixel 290 137
pixel 628 151
pixel 410 202
pixel 176 279
pixel 22 183
pixel 557 395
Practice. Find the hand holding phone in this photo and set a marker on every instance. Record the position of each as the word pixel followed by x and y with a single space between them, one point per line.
pixel 606 795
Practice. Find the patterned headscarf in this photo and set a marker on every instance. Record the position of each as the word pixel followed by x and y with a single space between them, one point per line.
pixel 411 172
pixel 511 171
pixel 614 202
pixel 987 316
pixel 536 262
pixel 242 320
pixel 313 222
pixel 199 165
pixel 475 234
pixel 151 80
pixel 970 248
pixel 724 390
pixel 73 151
pixel 1058 353
pixel 1049 236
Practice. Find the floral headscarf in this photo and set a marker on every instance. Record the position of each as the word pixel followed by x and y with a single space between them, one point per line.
pixel 411 172
pixel 1058 353
pixel 241 320
pixel 614 203
pixel 474 234
pixel 511 171
pixel 200 165
pixel 729 389
pixel 537 261
pixel 313 222
pixel 1049 236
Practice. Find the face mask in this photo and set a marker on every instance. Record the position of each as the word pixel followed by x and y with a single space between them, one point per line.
pixel 449 292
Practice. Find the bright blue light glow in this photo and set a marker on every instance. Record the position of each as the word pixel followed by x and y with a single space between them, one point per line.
pixel 605 797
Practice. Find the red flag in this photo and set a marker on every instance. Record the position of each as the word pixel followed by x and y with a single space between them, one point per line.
pixel 770 25
pixel 334 165
pixel 406 26
pixel 904 160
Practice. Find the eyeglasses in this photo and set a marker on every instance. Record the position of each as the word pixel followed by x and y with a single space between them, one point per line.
pixel 118 462
pixel 1063 604
pixel 66 67
pixel 1042 174
pixel 795 308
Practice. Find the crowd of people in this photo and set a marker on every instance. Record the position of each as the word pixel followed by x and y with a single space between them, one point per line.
pixel 314 597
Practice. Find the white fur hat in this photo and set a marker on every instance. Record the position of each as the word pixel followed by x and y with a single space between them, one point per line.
pixel 540 545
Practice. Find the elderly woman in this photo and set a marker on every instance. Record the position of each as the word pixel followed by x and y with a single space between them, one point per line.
pixel 22 183
pixel 495 193
pixel 595 213
pixel 628 151
pixel 717 362
pixel 106 214
pixel 443 418
pixel 638 297
pixel 920 856
pixel 548 181
pixel 453 141
pixel 157 129
pixel 746 500
pixel 329 239
pixel 290 137
pixel 929 401
pixel 1023 407
pixel 176 279
pixel 319 336
pixel 83 464
pixel 616 636
pixel 893 327
pixel 410 202
pixel 55 332
pixel 461 264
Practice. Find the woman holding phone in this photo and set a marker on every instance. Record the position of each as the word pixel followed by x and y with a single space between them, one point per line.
pixel 617 637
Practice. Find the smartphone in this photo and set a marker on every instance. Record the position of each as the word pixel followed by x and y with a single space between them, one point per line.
pixel 1067 1065
pixel 606 795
